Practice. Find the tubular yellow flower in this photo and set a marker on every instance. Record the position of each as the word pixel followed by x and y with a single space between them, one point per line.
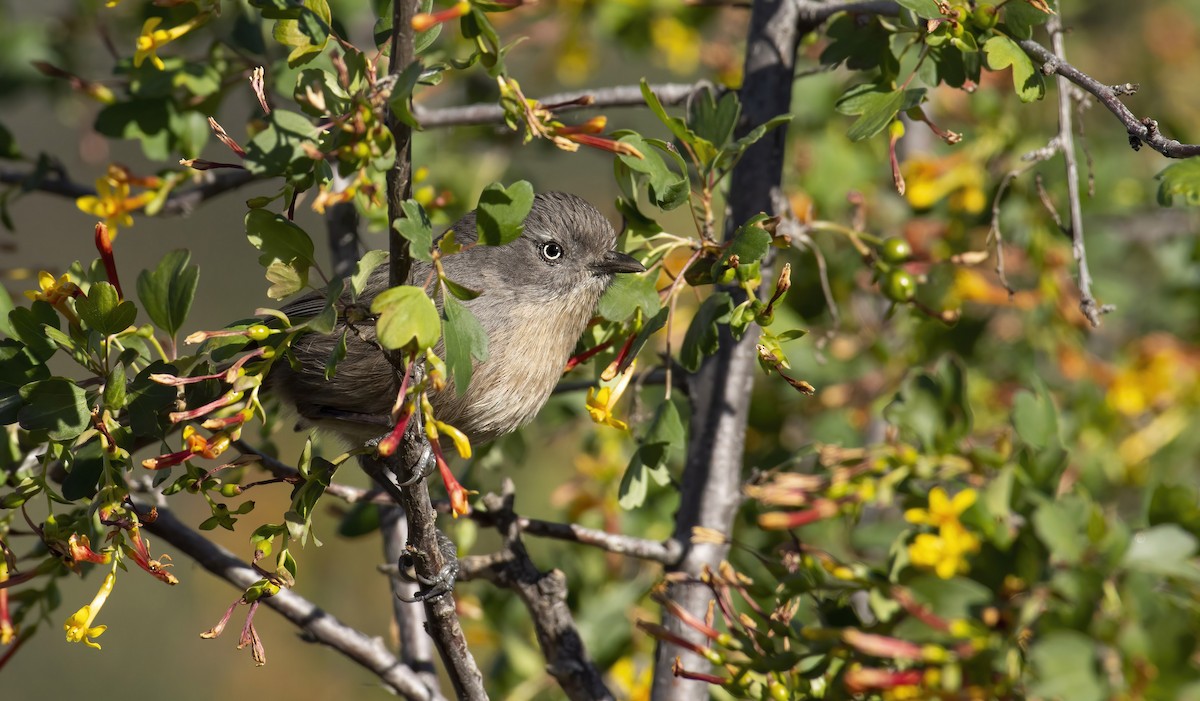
pixel 79 626
pixel 152 38
pixel 53 291
pixel 600 402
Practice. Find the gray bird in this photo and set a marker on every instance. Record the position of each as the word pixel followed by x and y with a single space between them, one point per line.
pixel 538 293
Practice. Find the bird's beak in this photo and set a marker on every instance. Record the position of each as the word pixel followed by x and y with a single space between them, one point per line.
pixel 617 262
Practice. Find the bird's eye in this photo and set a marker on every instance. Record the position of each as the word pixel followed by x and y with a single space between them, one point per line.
pixel 551 251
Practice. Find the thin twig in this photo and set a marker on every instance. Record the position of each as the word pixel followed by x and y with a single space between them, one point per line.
pixel 595 98
pixel 994 233
pixel 179 202
pixel 1066 136
pixel 1141 131
pixel 316 624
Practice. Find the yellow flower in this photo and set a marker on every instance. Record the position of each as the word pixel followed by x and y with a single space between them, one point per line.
pixel 931 180
pixel 944 553
pixel 79 626
pixel 600 402
pixel 942 511
pixel 53 291
pixel 112 202
pixel 152 38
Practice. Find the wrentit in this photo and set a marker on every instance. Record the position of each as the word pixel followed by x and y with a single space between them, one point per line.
pixel 538 294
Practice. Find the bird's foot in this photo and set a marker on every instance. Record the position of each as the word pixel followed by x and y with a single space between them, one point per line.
pixel 441 583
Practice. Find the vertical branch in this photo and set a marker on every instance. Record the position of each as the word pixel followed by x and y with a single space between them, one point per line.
pixel 424 545
pixel 416 649
pixel 1066 137
pixel 721 401
pixel 399 178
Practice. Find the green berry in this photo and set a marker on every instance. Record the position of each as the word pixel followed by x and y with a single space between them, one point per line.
pixel 895 250
pixel 258 332
pixel 900 286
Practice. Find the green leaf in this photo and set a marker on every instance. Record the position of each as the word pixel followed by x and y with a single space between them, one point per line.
pixel 29 326
pixel 1180 179
pixel 114 388
pixel 103 311
pixel 931 407
pixel 401 98
pixel 1064 664
pixel 285 280
pixel 57 406
pixel 750 242
pixel 703 148
pixel 667 188
pixel 924 8
pixel 1002 52
pixel 362 271
pixel 407 318
pixel 279 149
pixel 278 238
pixel 465 338
pixel 702 337
pixel 6 306
pixel 627 294
pixel 307 33
pixel 500 216
pixel 414 226
pixel 461 291
pixel 1165 550
pixel 326 321
pixel 86 467
pixel 8 145
pixel 1035 419
pixel 1058 524
pixel 149 402
pixel 284 246
pixel 863 47
pixel 1020 18
pixel 167 291
pixel 729 157
pixel 876 108
pixel 336 356
pixel 663 443
pixel 714 120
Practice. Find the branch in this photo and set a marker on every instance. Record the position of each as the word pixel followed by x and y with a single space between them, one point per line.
pixel 666 552
pixel 1141 131
pixel 316 624
pixel 545 595
pixel 622 96
pixel 179 202
pixel 721 389
pixel 1066 137
pixel 423 545
pixel 415 645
